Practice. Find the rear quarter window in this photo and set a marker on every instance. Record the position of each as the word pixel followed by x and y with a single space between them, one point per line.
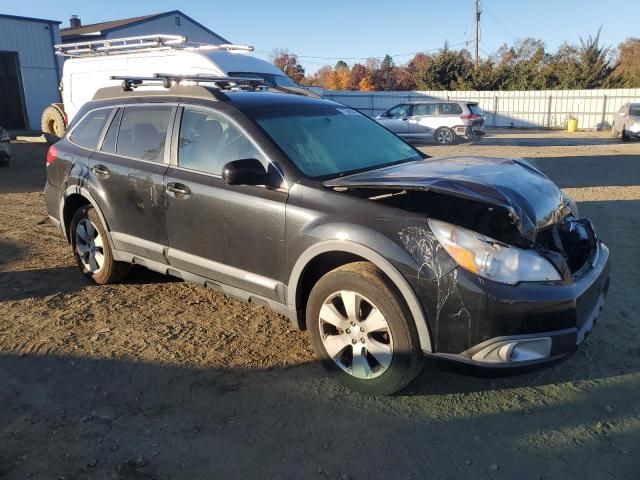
pixel 88 131
pixel 450 109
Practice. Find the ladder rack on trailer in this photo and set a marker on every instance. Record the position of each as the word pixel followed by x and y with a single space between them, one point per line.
pixel 141 43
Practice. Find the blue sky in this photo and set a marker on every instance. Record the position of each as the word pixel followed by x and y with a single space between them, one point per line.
pixel 333 28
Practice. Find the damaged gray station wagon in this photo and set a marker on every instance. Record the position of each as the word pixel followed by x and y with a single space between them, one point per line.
pixel 384 255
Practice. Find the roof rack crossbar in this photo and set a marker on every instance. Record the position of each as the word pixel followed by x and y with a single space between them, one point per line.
pixel 169 79
pixel 138 44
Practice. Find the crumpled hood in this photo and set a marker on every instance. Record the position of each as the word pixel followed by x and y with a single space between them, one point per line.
pixel 532 200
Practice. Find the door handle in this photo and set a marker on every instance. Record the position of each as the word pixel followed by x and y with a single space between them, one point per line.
pixel 178 190
pixel 101 171
pixel 404 119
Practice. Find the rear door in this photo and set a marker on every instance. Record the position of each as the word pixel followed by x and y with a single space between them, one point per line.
pixel 449 114
pixel 423 121
pixel 127 173
pixel 397 119
pixel 230 234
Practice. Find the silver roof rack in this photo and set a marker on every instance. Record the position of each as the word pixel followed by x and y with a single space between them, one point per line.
pixel 167 80
pixel 139 44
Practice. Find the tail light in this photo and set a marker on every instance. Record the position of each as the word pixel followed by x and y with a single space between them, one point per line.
pixel 52 154
pixel 470 116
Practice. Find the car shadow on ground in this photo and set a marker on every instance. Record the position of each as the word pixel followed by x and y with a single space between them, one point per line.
pixel 40 283
pixel 591 171
pixel 64 416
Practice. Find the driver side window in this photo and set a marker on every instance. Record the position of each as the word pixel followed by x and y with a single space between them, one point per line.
pixel 208 141
pixel 399 111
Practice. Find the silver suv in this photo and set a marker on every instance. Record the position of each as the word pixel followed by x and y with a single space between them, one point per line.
pixel 439 121
pixel 626 122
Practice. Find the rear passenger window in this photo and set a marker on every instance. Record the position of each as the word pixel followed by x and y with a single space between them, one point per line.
pixel 424 109
pixel 208 141
pixel 450 109
pixel 88 131
pixel 143 131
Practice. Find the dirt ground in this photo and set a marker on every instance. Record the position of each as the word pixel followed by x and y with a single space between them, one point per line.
pixel 155 378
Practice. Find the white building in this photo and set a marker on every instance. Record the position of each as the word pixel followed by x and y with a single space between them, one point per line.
pixel 29 70
pixel 168 23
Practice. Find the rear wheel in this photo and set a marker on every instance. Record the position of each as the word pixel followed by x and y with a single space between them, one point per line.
pixel 52 121
pixel 361 331
pixel 445 136
pixel 91 248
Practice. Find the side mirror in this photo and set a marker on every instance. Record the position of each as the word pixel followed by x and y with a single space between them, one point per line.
pixel 248 171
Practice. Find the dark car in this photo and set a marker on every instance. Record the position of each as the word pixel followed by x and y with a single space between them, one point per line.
pixel 384 254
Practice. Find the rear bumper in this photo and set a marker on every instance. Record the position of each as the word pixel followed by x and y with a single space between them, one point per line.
pixel 505 326
pixel 469 132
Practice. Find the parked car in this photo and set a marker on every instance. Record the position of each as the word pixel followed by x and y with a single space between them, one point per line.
pixel 438 121
pixel 5 147
pixel 383 254
pixel 626 122
pixel 89 66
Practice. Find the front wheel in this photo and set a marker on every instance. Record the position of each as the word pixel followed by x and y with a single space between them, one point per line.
pixel 92 250
pixel 445 136
pixel 361 331
pixel 614 132
pixel 625 137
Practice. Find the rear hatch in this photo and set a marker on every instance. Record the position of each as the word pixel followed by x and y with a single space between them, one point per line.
pixel 477 116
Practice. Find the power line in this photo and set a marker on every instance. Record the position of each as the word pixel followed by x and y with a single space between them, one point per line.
pixel 506 30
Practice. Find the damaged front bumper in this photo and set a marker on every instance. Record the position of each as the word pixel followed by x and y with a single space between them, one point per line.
pixel 518 325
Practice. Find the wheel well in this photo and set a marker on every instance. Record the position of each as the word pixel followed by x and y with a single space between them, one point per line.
pixel 314 271
pixel 71 205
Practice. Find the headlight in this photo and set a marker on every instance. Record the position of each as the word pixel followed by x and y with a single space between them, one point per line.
pixel 490 258
pixel 635 127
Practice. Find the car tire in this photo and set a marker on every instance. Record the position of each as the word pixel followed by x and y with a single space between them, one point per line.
pixel 91 248
pixel 623 134
pixel 4 161
pixel 445 136
pixel 389 350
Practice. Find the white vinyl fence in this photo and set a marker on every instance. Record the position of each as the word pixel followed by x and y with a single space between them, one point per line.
pixel 520 109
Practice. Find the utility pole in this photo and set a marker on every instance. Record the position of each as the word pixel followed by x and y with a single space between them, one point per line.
pixel 477 13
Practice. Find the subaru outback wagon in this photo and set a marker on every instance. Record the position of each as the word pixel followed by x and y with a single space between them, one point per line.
pixel 383 254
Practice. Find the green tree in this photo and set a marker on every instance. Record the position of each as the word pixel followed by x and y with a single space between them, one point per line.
pixel 594 64
pixel 387 63
pixel 448 70
pixel 627 68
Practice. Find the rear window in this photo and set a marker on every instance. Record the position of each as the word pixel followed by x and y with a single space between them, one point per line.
pixel 474 108
pixel 143 131
pixel 450 109
pixel 88 131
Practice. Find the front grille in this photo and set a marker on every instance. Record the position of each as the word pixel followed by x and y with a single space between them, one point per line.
pixel 573 239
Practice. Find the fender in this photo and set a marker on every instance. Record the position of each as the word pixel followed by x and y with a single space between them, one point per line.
pixel 348 246
pixel 80 190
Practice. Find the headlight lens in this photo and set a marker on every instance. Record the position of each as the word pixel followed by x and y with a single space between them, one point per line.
pixel 491 259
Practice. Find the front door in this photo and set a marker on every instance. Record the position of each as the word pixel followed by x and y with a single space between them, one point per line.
pixel 128 171
pixel 230 234
pixel 396 119
pixel 423 121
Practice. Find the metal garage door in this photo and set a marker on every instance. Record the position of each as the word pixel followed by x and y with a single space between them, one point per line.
pixel 12 114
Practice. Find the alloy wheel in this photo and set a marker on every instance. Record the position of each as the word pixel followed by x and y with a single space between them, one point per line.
pixel 89 245
pixel 356 335
pixel 444 137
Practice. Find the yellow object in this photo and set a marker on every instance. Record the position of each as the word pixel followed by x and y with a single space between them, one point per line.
pixel 572 125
